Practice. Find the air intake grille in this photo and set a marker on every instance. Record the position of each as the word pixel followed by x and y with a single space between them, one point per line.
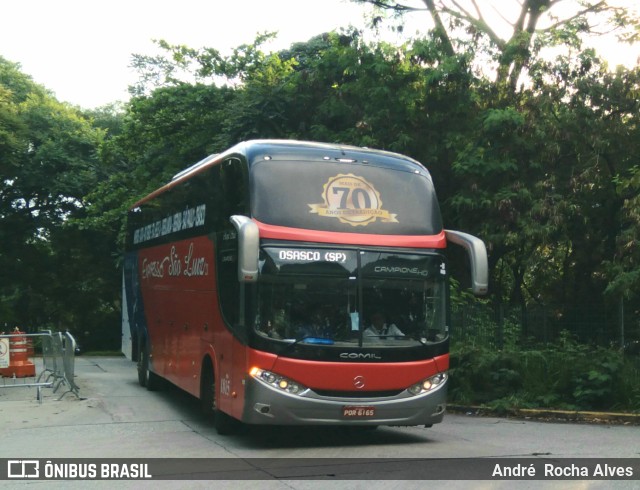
pixel 358 394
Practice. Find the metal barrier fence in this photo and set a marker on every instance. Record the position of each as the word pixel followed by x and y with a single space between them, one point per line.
pixel 58 361
pixel 613 325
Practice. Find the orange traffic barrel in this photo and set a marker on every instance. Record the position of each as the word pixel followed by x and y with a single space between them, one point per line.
pixel 19 364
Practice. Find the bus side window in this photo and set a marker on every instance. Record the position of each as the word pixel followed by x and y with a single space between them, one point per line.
pixel 234 187
pixel 234 197
pixel 228 284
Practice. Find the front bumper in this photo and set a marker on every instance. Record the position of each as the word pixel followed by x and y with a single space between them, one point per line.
pixel 266 405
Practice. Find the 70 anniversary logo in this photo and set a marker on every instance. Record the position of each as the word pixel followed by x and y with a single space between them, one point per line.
pixel 352 200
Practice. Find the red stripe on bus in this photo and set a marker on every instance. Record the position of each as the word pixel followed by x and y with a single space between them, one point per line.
pixel 300 234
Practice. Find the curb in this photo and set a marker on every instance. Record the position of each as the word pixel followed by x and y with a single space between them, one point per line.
pixel 550 415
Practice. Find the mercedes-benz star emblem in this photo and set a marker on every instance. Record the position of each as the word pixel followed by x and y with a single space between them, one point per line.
pixel 358 382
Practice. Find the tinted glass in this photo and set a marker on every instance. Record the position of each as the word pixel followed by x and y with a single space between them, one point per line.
pixel 352 298
pixel 344 197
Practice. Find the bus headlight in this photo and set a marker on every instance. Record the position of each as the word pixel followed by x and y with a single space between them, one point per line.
pixel 277 381
pixel 428 384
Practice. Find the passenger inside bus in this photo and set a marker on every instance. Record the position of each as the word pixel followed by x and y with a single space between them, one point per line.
pixel 314 325
pixel 274 326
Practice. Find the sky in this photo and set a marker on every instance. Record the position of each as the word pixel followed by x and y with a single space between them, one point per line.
pixel 81 49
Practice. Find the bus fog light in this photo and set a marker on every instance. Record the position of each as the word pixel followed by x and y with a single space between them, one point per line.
pixel 415 389
pixel 262 408
pixel 293 388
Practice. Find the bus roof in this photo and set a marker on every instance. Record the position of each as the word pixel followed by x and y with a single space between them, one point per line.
pixel 285 149
pixel 257 150
pixel 301 150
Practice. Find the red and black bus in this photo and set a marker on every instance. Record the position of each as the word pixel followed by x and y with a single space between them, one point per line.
pixel 286 282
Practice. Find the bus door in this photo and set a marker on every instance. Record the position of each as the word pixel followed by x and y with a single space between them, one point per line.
pixel 228 347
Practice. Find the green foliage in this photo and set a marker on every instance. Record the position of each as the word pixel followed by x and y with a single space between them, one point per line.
pixel 480 376
pixel 49 162
pixel 567 375
pixel 624 268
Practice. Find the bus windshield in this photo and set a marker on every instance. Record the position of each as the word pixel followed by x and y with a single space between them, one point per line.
pixel 356 298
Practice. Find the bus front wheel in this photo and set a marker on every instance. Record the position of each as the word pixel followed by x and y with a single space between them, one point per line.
pixel 224 424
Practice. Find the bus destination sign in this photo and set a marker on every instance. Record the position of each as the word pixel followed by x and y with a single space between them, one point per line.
pixel 297 255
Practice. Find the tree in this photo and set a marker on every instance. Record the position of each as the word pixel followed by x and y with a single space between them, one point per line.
pixel 548 181
pixel 514 31
pixel 624 267
pixel 48 156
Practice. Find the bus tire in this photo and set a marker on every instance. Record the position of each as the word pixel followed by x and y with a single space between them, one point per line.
pixel 224 424
pixel 154 382
pixel 207 391
pixel 141 365
pixel 145 377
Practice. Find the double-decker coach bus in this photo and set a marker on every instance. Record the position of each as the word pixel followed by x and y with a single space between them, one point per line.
pixel 286 282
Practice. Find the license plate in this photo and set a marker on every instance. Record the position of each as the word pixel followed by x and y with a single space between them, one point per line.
pixel 352 412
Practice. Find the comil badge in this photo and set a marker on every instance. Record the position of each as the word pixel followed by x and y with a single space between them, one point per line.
pixel 352 200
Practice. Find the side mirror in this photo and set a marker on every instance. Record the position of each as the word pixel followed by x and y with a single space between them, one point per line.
pixel 248 247
pixel 477 253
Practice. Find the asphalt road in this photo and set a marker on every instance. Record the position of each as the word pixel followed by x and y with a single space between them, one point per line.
pixel 116 418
